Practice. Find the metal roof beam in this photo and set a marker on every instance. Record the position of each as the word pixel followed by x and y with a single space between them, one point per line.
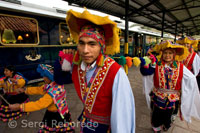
pixel 163 25
pixel 143 7
pixel 187 19
pixel 181 4
pixel 161 7
pixel 121 4
pixel 147 15
pixel 189 13
pixel 171 10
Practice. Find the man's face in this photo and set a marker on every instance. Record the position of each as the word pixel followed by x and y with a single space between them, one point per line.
pixel 168 55
pixel 89 49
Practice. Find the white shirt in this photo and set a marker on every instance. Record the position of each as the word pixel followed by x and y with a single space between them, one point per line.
pixel 190 97
pixel 123 104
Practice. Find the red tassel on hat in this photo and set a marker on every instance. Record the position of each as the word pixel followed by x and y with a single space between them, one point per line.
pixel 100 60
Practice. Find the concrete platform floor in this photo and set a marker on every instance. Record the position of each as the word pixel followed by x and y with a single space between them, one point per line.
pixel 30 123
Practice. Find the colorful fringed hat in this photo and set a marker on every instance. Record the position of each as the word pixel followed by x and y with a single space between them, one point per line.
pixel 188 40
pixel 181 51
pixel 45 71
pixel 76 21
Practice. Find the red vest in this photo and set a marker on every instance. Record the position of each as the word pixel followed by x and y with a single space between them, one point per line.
pixel 159 79
pixel 189 61
pixel 98 103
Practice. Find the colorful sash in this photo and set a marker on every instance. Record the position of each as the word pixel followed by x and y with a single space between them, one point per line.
pixel 58 93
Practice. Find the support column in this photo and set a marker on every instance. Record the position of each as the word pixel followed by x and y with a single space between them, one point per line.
pixel 126 28
pixel 182 31
pixel 144 45
pixel 163 22
pixel 126 33
pixel 175 33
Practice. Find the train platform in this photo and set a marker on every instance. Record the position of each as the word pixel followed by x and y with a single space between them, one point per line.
pixel 30 123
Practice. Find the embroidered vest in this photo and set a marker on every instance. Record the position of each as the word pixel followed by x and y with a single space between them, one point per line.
pixel 98 100
pixel 189 61
pixel 58 93
pixel 9 86
pixel 174 83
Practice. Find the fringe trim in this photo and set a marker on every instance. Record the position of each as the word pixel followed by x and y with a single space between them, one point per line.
pixel 77 59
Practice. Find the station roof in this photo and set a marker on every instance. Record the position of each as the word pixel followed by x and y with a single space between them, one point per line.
pixel 183 13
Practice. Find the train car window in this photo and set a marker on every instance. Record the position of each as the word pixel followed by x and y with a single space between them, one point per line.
pixel 65 37
pixel 151 40
pixel 17 30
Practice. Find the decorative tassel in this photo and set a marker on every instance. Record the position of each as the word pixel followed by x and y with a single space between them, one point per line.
pixel 66 66
pixel 100 60
pixel 77 58
pixel 153 58
pixel 147 60
pixel 129 61
pixel 122 60
pixel 136 61
pixel 142 61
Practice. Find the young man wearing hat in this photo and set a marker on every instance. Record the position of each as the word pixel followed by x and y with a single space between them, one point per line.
pixel 192 62
pixel 171 86
pixel 101 83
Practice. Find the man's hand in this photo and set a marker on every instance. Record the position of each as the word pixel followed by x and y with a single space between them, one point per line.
pixel 69 51
pixel 13 80
pixel 14 107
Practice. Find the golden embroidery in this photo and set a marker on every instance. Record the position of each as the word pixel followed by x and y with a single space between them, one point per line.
pixel 187 60
pixel 162 92
pixel 96 84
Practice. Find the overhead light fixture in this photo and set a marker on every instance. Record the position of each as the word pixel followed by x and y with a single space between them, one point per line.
pixel 19 38
pixel 26 35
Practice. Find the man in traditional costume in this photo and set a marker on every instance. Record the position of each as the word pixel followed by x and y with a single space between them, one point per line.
pixel 170 86
pixel 57 117
pixel 101 83
pixel 192 62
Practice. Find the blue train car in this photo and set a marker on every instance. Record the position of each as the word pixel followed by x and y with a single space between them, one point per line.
pixel 30 36
pixel 33 34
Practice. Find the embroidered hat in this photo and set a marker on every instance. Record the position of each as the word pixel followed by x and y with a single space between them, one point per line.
pixel 45 71
pixel 95 32
pixel 76 21
pixel 188 40
pixel 181 51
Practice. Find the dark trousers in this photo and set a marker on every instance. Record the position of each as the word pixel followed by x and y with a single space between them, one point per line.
pixel 163 116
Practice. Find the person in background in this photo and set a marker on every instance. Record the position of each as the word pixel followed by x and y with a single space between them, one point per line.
pixel 198 51
pixel 101 84
pixel 169 87
pixel 198 76
pixel 9 85
pixel 192 62
pixel 57 117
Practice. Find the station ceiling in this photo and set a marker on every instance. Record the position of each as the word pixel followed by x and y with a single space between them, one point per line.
pixel 185 14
